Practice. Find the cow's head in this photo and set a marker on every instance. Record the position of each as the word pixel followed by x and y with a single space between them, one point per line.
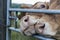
pixel 40 23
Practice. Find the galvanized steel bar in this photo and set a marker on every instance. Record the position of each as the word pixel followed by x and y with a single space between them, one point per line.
pixel 8 32
pixel 12 17
pixel 14 29
pixel 43 38
pixel 36 36
pixel 36 10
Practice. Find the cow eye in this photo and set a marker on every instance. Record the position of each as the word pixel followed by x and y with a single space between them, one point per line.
pixel 42 6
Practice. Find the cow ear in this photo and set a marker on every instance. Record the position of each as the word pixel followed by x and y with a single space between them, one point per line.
pixel 40 5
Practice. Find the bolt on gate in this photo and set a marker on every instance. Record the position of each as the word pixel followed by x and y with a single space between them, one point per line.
pixel 16 10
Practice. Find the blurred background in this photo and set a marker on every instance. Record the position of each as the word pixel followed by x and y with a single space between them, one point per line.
pixel 17 3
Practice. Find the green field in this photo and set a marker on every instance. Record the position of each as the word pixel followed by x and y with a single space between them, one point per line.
pixel 18 36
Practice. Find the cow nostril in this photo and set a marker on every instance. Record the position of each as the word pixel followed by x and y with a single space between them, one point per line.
pixel 42 26
pixel 26 20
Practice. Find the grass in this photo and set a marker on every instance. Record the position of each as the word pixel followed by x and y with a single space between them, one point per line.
pixel 18 36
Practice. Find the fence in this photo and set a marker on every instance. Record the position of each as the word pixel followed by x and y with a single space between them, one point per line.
pixel 16 10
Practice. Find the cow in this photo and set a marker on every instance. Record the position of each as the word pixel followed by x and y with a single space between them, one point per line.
pixel 41 23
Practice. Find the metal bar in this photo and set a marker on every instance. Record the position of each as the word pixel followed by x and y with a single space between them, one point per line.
pixel 14 29
pixel 8 32
pixel 8 22
pixel 35 10
pixel 12 17
pixel 36 36
pixel 42 38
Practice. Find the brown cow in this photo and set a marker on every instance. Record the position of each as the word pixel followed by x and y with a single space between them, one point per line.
pixel 27 24
pixel 46 24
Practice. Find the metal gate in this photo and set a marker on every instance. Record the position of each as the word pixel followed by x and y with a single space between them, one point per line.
pixel 9 17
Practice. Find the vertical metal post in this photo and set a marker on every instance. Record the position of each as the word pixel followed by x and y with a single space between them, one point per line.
pixel 8 32
pixel 2 19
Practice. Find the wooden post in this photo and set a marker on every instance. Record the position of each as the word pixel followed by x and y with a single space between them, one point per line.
pixel 3 19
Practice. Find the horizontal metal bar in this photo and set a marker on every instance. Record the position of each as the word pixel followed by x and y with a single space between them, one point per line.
pixel 36 36
pixel 43 38
pixel 35 10
pixel 14 29
pixel 12 17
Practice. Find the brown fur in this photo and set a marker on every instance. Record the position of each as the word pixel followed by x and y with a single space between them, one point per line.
pixel 51 1
pixel 56 5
